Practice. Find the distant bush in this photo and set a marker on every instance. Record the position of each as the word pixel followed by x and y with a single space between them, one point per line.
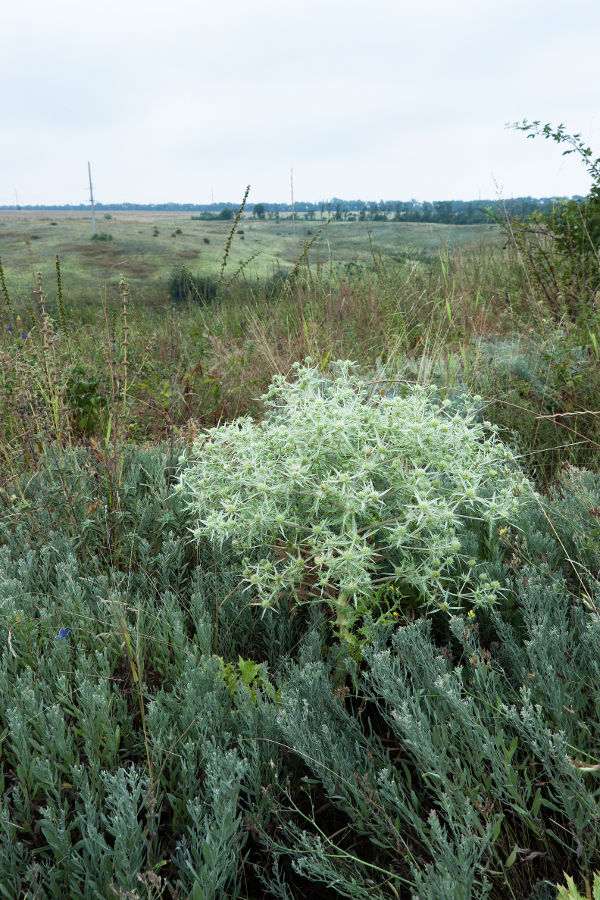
pixel 276 283
pixel 102 236
pixel 206 240
pixel 184 286
pixel 107 216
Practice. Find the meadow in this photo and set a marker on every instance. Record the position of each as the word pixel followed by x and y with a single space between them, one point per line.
pixel 145 247
pixel 275 625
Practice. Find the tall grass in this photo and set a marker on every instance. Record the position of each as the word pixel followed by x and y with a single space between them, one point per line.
pixel 162 738
pixel 193 364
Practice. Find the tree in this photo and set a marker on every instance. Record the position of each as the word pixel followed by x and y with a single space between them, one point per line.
pixel 569 275
pixel 258 210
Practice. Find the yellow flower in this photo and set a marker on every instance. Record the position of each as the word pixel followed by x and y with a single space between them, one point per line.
pixel 471 614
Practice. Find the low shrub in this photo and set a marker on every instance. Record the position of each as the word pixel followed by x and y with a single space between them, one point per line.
pixel 542 392
pixel 164 736
pixel 185 286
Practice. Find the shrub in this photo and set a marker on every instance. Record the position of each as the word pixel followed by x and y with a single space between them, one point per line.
pixel 575 511
pixel 561 245
pixel 86 398
pixel 542 387
pixel 183 285
pixel 341 493
pixel 457 770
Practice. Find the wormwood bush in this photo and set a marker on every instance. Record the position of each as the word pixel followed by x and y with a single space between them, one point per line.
pixel 342 491
pixel 483 752
pixel 542 385
pixel 81 813
pixel 575 505
pixel 460 766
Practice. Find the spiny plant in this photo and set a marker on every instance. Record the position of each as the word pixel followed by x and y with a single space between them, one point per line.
pixel 570 891
pixel 345 489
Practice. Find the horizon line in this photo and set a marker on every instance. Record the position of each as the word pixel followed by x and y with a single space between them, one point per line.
pixel 215 204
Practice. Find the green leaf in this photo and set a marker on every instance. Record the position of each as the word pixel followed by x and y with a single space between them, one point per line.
pixel 537 802
pixel 512 857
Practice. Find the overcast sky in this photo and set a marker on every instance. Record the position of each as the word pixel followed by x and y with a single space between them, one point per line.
pixel 190 100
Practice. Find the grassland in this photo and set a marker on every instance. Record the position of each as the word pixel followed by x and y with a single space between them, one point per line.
pixel 162 735
pixel 146 247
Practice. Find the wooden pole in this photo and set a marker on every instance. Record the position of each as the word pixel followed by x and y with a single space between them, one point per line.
pixel 92 200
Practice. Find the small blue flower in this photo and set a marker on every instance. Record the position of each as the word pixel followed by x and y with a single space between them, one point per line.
pixel 9 327
pixel 63 633
pixel 23 335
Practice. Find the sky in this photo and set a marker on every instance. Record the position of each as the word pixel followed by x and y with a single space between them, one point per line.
pixel 189 101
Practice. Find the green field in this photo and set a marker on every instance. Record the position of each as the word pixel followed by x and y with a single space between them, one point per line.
pixel 147 246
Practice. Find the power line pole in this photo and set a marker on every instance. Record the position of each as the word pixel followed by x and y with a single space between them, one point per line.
pixel 92 200
pixel 293 210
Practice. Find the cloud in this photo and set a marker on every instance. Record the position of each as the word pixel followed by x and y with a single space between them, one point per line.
pixel 386 99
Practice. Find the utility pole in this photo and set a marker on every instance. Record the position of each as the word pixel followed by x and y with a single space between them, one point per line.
pixel 92 200
pixel 293 209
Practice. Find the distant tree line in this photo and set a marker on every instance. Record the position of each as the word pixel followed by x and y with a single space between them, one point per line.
pixel 446 212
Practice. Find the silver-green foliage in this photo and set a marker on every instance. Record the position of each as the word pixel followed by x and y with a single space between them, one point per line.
pixel 342 490
pixel 208 857
pixel 458 757
pixel 488 746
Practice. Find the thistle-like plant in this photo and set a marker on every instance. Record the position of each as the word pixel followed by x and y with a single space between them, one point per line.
pixel 344 489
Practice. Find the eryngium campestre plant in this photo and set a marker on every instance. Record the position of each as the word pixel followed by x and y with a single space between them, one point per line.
pixel 344 490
